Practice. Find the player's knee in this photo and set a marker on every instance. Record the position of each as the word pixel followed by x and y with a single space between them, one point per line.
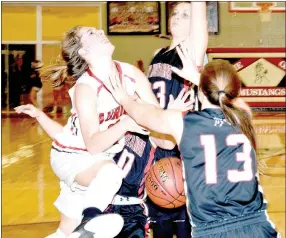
pixel 112 175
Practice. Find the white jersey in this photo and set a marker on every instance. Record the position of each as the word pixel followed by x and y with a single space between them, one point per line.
pixel 109 112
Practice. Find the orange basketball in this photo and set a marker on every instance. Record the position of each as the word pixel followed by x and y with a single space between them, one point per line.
pixel 164 183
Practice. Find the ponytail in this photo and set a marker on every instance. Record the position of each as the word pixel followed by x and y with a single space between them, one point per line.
pixel 238 117
pixel 221 84
pixel 57 74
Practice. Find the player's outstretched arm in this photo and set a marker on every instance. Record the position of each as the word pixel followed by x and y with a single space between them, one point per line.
pixel 143 86
pixel 150 116
pixel 50 126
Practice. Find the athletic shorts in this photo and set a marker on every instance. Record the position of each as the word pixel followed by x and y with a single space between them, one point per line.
pixel 135 217
pixel 70 202
pixel 157 213
pixel 67 165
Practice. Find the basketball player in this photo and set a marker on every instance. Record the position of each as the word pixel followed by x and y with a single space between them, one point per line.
pixel 82 152
pixel 217 145
pixel 188 27
pixel 138 156
pixel 70 143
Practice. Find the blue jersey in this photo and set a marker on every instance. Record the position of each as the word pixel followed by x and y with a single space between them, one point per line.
pixel 219 169
pixel 135 159
pixel 165 83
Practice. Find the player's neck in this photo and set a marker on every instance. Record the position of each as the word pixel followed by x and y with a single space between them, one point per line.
pixel 176 41
pixel 102 67
pixel 207 104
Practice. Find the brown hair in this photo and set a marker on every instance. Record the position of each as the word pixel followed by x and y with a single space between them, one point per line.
pixel 73 66
pixel 221 84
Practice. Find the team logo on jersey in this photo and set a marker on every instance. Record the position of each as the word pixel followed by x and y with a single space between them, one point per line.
pixel 160 70
pixel 111 115
pixel 218 122
pixel 135 143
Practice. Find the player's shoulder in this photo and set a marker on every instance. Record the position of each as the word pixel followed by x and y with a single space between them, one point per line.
pixel 125 65
pixel 127 69
pixel 163 49
pixel 193 115
pixel 193 119
pixel 84 78
pixel 86 82
pixel 157 51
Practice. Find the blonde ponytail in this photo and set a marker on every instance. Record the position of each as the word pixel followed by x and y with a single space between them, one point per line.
pixel 57 74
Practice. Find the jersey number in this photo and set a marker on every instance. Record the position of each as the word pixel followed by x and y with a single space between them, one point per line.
pixel 209 144
pixel 161 95
pixel 125 162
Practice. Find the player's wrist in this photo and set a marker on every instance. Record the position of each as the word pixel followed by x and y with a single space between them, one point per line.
pixel 125 100
pixel 39 114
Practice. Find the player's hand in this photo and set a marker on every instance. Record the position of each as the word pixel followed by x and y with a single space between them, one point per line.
pixel 132 126
pixel 116 88
pixel 189 70
pixel 28 109
pixel 181 103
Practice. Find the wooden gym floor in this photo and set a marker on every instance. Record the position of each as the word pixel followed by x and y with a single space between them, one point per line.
pixel 29 186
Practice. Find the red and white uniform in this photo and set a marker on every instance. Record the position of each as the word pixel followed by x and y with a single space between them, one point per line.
pixel 69 155
pixel 109 112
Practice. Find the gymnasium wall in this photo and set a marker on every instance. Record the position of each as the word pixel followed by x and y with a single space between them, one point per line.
pixel 236 30
pixel 240 30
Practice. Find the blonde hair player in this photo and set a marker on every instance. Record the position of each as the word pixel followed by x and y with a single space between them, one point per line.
pixel 82 151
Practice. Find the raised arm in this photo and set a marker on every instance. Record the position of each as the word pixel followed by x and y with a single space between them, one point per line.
pixel 199 31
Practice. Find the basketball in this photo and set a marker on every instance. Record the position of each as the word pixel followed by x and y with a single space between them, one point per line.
pixel 164 183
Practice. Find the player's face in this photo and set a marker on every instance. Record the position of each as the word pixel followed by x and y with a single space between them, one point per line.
pixel 95 42
pixel 180 22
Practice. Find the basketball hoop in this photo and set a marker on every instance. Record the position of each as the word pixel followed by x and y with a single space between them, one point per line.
pixel 265 11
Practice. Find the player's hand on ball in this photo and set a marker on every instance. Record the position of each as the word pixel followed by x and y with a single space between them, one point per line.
pixel 181 103
pixel 117 90
pixel 28 109
pixel 132 126
pixel 189 70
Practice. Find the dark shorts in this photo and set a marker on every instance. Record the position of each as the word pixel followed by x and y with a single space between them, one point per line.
pixel 157 213
pixel 254 225
pixel 166 229
pixel 166 222
pixel 136 224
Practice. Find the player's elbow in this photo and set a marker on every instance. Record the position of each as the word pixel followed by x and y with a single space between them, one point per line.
pixel 94 148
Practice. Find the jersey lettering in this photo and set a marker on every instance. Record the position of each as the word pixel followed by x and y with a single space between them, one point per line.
pixel 234 176
pixel 125 162
pixel 161 95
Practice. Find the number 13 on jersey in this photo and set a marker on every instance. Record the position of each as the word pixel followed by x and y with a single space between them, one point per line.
pixel 234 176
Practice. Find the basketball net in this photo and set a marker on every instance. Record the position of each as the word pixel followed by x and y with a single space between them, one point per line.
pixel 265 11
